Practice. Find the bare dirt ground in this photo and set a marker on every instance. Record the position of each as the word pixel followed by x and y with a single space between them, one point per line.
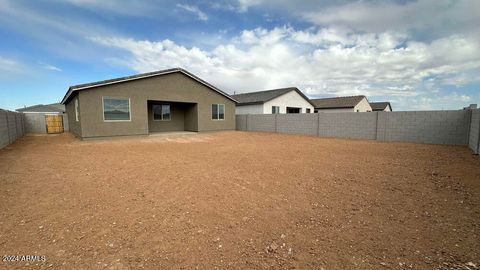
pixel 239 201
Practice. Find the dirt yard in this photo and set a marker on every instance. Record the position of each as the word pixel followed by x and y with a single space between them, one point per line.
pixel 235 200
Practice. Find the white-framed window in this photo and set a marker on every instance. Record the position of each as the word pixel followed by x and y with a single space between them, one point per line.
pixel 308 110
pixel 161 112
pixel 218 111
pixel 76 109
pixel 116 109
pixel 275 109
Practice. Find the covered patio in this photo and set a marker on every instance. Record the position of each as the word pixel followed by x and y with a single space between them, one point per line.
pixel 168 116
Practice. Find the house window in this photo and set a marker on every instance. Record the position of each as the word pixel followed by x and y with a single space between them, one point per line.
pixel 116 109
pixel 218 111
pixel 275 109
pixel 161 112
pixel 76 109
pixel 308 110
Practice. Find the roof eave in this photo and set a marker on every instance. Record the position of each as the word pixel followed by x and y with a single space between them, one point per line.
pixel 72 89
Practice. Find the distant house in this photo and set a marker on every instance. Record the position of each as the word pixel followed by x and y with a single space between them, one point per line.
pixel 283 100
pixel 342 104
pixel 38 116
pixel 55 108
pixel 165 100
pixel 381 106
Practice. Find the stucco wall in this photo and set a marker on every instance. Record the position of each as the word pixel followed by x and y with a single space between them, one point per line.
pixel 290 99
pixel 75 126
pixel 336 110
pixel 249 109
pixel 174 87
pixel 176 122
pixel 363 106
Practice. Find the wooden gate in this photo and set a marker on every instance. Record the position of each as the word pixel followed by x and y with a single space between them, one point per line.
pixel 54 123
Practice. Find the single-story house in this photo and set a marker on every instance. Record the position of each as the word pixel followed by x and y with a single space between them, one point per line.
pixel 283 100
pixel 381 106
pixel 50 118
pixel 166 100
pixel 342 104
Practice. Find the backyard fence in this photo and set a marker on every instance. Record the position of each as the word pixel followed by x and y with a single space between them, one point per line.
pixel 461 127
pixel 11 127
pixel 474 136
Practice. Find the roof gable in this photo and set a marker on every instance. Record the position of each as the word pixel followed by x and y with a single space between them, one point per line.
pixel 261 97
pixel 380 106
pixel 79 87
pixel 337 102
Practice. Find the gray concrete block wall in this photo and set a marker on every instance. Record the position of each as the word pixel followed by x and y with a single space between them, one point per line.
pixel 474 136
pixel 241 122
pixel 348 125
pixel 434 127
pixel 303 124
pixel 261 122
pixel 4 137
pixel 11 127
pixel 35 123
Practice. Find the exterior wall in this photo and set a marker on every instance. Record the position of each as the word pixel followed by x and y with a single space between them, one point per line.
pixel 306 124
pixel 348 125
pixel 75 126
pixel 35 122
pixel 175 87
pixel 11 127
pixel 342 110
pixel 290 99
pixel 434 127
pixel 363 106
pixel 387 109
pixel 176 122
pixel 474 136
pixel 249 109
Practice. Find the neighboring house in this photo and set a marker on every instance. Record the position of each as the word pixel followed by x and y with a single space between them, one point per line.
pixel 284 100
pixel 37 116
pixel 167 100
pixel 381 106
pixel 342 104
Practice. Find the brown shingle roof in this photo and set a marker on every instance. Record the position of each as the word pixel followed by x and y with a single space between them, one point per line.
pixel 337 102
pixel 79 87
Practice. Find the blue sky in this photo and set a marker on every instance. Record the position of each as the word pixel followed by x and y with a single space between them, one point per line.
pixel 420 55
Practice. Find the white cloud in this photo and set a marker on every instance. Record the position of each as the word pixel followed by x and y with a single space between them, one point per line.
pixel 51 67
pixel 321 62
pixel 8 65
pixel 195 10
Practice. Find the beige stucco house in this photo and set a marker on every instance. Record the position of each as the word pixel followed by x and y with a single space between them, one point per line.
pixel 167 100
pixel 342 104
